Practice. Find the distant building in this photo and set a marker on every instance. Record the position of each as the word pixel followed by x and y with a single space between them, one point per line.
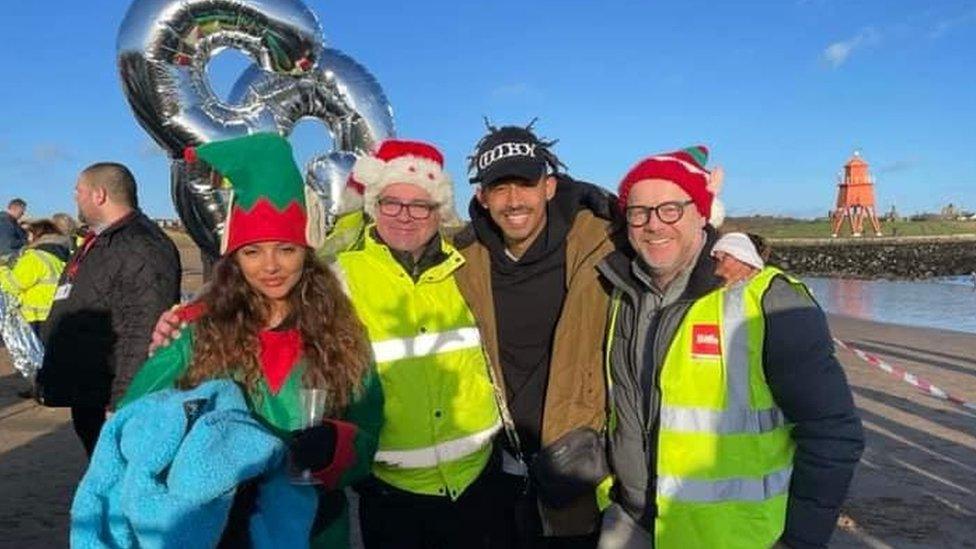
pixel 172 224
pixel 892 215
pixel 950 212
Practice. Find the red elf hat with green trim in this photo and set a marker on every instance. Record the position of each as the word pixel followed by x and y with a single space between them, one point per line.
pixel 268 200
pixel 686 169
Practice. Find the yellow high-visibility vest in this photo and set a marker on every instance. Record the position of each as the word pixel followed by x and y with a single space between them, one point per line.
pixel 33 281
pixel 440 413
pixel 724 449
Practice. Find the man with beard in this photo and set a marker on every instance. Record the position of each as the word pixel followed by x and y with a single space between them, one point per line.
pixel 530 278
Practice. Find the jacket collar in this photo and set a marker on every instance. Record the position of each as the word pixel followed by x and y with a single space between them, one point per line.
pixel 438 261
pixel 118 224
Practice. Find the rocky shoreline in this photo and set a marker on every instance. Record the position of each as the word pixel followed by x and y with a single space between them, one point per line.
pixel 902 258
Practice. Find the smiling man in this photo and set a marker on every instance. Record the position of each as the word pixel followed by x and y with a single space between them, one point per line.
pixel 732 422
pixel 432 479
pixel 530 278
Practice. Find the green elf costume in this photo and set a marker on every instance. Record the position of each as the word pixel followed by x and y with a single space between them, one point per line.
pixel 269 204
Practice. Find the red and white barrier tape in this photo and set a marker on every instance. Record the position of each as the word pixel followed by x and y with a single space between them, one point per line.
pixel 906 376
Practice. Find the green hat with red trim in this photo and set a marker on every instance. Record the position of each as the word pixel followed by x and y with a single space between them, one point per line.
pixel 268 198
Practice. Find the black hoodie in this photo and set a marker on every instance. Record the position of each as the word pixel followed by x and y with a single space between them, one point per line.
pixel 528 297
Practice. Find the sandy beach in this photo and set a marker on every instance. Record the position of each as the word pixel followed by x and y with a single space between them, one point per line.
pixel 916 486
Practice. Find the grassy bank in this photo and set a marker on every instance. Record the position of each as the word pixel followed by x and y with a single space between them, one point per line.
pixel 773 227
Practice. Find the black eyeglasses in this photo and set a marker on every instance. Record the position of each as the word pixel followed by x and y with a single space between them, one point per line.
pixel 668 212
pixel 416 210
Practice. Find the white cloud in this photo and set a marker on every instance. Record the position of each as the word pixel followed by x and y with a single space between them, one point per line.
pixel 949 23
pixel 837 53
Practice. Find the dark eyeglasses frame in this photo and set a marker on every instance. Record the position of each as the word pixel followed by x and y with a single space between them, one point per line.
pixel 646 210
pixel 418 211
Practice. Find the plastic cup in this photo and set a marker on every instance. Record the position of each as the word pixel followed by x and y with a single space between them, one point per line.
pixel 313 403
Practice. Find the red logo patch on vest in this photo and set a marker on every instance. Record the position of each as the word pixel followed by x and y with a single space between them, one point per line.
pixel 706 340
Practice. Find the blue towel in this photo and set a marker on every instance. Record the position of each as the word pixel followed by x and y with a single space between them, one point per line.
pixel 166 467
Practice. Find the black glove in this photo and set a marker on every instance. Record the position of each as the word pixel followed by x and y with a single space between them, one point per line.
pixel 598 200
pixel 313 448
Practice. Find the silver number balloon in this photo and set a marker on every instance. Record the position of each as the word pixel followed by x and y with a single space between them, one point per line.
pixel 343 95
pixel 340 92
pixel 164 47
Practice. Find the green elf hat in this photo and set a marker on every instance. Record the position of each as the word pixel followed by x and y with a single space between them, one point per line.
pixel 268 195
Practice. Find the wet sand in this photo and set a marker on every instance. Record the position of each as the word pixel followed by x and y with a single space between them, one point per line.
pixel 916 486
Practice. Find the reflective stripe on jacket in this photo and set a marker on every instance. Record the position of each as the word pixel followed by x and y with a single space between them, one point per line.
pixel 440 410
pixel 33 280
pixel 724 450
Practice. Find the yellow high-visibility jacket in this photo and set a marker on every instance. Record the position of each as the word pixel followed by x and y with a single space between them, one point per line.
pixel 32 280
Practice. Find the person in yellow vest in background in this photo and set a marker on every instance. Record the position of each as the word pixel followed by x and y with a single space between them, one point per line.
pixel 432 483
pixel 32 278
pixel 732 424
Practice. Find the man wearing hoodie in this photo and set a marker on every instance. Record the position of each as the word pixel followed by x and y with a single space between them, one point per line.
pixel 530 278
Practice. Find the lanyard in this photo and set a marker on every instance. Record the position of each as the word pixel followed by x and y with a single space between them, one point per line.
pixel 79 256
pixel 75 263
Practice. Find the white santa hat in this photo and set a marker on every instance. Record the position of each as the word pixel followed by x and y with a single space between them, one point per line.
pixel 399 161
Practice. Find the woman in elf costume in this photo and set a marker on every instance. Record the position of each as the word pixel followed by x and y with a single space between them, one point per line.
pixel 276 321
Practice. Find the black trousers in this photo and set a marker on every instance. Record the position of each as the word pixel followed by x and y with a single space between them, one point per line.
pixel 521 525
pixel 394 519
pixel 88 423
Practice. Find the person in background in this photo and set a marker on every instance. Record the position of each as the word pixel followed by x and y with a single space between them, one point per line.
pixel 111 291
pixel 33 277
pixel 732 422
pixel 737 256
pixel 12 236
pixel 69 228
pixel 277 321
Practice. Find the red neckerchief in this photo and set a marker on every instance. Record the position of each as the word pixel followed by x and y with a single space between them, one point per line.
pixel 75 262
pixel 279 354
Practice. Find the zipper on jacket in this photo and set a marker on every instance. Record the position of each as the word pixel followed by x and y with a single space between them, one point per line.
pixel 670 317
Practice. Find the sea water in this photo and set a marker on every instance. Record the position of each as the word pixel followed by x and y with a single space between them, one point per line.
pixel 948 303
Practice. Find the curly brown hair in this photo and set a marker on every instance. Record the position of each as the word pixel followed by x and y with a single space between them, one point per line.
pixel 335 348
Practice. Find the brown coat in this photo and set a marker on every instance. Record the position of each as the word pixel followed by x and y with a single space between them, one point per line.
pixel 576 390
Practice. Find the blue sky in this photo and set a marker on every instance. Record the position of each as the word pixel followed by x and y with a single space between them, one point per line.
pixel 781 91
